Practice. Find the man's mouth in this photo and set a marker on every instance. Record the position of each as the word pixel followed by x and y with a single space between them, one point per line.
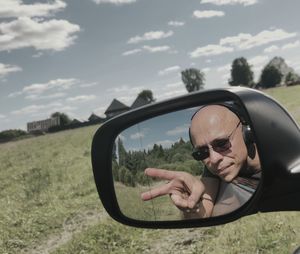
pixel 222 170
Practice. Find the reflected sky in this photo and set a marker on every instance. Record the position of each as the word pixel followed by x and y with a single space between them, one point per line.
pixel 162 130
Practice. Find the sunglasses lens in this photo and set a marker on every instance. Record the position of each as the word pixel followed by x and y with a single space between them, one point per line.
pixel 221 145
pixel 200 155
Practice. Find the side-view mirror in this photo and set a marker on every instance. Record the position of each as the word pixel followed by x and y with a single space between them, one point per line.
pixel 203 159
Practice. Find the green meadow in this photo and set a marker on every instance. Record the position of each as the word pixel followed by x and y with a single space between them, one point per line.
pixel 49 204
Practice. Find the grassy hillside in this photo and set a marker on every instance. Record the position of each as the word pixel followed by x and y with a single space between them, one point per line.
pixel 289 97
pixel 49 204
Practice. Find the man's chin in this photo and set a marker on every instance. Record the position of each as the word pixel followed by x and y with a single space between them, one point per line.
pixel 227 177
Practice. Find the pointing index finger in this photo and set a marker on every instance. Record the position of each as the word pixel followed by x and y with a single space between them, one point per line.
pixel 161 173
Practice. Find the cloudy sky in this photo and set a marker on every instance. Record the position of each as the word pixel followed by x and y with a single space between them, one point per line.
pixel 76 56
pixel 162 130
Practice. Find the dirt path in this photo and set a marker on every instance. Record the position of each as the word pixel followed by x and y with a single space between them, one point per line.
pixel 177 241
pixel 71 226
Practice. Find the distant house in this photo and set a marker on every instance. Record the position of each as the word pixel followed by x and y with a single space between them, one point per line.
pixel 139 102
pixel 95 119
pixel 75 121
pixel 115 108
pixel 43 125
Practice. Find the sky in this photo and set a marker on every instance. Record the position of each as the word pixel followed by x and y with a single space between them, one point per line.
pixel 162 130
pixel 76 56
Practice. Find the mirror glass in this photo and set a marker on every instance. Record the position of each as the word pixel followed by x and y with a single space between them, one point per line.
pixel 193 163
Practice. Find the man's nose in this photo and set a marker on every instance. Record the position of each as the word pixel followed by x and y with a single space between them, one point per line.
pixel 214 156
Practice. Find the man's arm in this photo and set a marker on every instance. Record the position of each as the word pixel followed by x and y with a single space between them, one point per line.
pixel 204 207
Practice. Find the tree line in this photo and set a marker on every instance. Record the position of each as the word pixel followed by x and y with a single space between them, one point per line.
pixel 241 74
pixel 128 166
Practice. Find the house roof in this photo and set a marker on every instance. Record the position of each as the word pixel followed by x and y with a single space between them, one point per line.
pixel 139 101
pixel 94 117
pixel 116 106
pixel 74 121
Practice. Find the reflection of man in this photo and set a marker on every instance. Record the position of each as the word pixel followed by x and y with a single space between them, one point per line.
pixel 224 143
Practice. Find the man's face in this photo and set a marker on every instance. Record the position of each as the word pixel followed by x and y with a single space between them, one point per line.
pixel 212 124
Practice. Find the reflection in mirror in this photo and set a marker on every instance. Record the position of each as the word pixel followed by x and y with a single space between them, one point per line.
pixel 193 163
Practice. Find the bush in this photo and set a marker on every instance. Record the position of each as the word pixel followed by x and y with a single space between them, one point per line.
pixel 9 135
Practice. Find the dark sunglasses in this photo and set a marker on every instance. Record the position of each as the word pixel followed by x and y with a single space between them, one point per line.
pixel 218 145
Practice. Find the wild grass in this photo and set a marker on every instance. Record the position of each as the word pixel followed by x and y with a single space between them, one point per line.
pixel 49 204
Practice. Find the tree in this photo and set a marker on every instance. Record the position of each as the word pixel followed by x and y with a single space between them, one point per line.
pixel 270 77
pixel 241 73
pixel 193 79
pixel 146 95
pixel 122 154
pixel 64 118
pixel 292 79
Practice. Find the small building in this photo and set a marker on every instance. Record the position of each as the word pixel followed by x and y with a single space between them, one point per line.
pixel 43 125
pixel 116 108
pixel 95 119
pixel 139 102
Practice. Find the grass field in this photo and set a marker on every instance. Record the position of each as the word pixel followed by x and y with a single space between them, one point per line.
pixel 49 204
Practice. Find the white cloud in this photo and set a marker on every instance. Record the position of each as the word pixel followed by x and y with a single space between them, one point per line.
pixel 149 36
pixel 248 41
pixel 137 135
pixel 225 68
pixel 271 49
pixel 125 89
pixel 16 8
pixel 156 49
pixel 26 32
pixel 172 93
pixel 85 85
pixel 207 14
pixel 131 52
pixel 2 116
pixel 59 84
pixel 14 94
pixel 81 98
pixel 37 55
pixel 169 70
pixel 50 96
pixel 258 61
pixel 178 130
pixel 149 49
pixel 174 85
pixel 6 69
pixel 34 91
pixel 176 23
pixel 274 48
pixel 207 69
pixel 242 42
pixel 116 2
pixel 230 2
pixel 35 109
pixel 210 50
pixel 295 44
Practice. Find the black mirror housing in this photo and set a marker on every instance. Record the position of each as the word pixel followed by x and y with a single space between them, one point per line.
pixel 278 143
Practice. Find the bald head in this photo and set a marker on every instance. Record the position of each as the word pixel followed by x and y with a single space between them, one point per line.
pixel 213 121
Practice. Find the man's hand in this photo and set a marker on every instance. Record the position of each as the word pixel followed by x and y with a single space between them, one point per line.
pixel 184 189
